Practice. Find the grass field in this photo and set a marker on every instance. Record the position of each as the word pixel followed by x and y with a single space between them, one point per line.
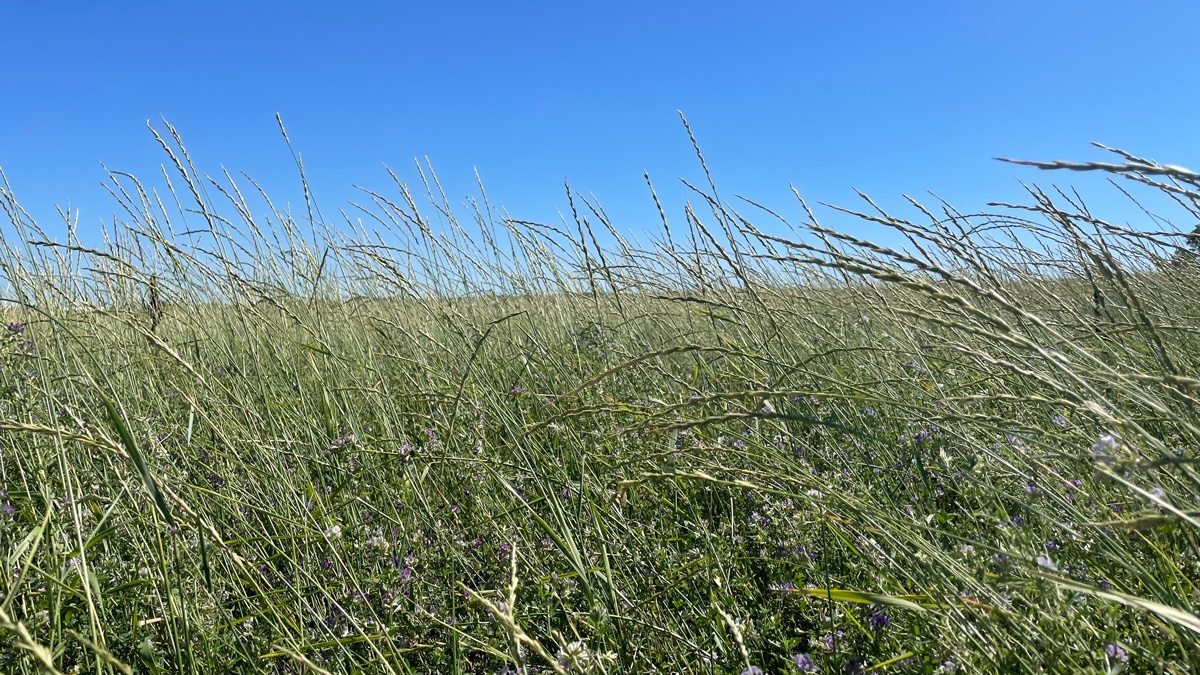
pixel 244 443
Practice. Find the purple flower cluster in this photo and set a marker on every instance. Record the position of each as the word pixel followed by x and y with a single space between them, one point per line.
pixel 339 442
pixel 879 621
pixel 1115 653
pixel 804 663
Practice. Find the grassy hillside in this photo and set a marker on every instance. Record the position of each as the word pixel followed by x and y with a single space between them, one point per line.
pixel 244 443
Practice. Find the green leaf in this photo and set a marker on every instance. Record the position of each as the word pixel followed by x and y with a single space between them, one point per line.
pixel 1177 616
pixel 860 597
pixel 131 447
pixel 204 557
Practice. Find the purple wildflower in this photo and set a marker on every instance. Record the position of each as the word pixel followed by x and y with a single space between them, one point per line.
pixel 829 641
pixel 879 621
pixel 805 663
pixel 16 328
pixel 1115 653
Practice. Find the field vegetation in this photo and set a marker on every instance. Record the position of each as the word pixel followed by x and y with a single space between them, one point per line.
pixel 401 442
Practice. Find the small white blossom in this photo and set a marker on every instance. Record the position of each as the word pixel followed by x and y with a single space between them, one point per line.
pixel 1046 563
pixel 1105 445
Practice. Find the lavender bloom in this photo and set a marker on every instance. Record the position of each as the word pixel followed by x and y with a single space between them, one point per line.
pixel 827 643
pixel 879 621
pixel 752 670
pixel 16 328
pixel 1115 653
pixel 804 663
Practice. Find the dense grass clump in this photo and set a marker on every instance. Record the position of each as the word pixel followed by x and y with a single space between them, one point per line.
pixel 243 443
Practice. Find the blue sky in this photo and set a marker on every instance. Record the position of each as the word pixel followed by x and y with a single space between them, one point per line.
pixel 886 97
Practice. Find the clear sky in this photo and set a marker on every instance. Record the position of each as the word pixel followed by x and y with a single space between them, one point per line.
pixel 888 97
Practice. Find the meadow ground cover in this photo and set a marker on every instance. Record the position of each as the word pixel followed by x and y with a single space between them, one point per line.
pixel 243 443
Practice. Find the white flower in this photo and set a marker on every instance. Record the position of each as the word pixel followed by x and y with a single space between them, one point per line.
pixel 1046 563
pixel 1106 444
pixel 334 532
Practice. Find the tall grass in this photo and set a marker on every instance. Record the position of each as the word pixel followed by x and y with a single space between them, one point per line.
pixel 411 443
